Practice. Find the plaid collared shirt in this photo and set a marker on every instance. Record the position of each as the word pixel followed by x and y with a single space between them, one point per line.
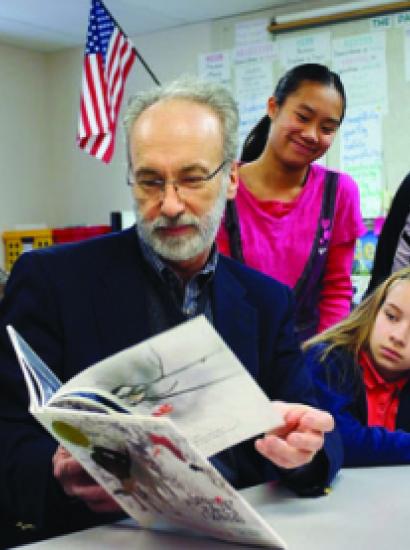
pixel 192 298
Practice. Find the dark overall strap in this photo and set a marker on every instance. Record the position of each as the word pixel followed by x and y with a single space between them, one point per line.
pixel 308 288
pixel 234 231
pixel 327 211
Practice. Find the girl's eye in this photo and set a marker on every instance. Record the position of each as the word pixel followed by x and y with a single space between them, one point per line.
pixel 390 316
pixel 328 130
pixel 302 117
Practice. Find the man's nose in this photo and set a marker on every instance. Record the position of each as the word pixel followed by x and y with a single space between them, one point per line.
pixel 171 204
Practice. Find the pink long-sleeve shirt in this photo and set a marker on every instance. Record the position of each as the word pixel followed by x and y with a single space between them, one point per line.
pixel 277 238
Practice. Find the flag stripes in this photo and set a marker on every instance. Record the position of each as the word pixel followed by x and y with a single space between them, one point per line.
pixel 108 58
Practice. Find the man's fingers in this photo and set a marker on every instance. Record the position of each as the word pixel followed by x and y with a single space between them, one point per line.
pixel 92 494
pixel 281 453
pixel 302 417
pixel 306 441
pixel 67 468
pixel 318 421
pixel 95 497
pixel 76 485
pixel 76 482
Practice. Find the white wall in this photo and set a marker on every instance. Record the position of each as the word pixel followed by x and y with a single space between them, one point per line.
pixel 86 190
pixel 24 137
pixel 44 176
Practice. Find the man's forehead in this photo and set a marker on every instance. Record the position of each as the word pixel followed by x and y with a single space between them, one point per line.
pixel 181 130
pixel 184 114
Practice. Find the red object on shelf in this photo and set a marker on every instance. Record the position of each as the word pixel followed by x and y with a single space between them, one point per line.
pixel 80 233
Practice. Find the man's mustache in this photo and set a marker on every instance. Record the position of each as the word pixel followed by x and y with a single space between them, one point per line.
pixel 184 219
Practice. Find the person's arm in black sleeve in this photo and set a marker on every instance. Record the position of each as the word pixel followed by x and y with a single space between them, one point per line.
pixel 389 236
pixel 30 494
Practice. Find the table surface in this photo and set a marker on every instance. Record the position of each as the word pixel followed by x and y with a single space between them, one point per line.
pixel 367 509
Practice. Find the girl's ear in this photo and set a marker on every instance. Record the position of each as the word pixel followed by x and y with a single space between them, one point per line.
pixel 233 181
pixel 272 107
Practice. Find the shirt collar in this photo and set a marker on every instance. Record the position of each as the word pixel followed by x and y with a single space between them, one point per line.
pixel 372 378
pixel 167 274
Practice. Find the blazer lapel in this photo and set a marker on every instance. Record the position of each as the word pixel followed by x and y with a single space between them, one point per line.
pixel 120 305
pixel 119 297
pixel 235 319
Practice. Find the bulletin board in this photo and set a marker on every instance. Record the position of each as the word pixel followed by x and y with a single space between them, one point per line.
pixel 372 57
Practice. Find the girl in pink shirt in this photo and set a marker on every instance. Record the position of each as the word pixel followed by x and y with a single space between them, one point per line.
pixel 292 219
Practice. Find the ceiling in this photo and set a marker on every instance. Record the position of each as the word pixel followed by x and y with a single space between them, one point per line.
pixel 49 25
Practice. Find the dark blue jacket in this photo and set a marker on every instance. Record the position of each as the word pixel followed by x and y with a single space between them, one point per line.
pixel 343 395
pixel 77 304
pixel 389 237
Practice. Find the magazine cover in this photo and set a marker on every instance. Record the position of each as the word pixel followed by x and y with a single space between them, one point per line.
pixel 157 476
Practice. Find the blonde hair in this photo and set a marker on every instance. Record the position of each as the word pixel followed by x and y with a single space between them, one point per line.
pixel 353 333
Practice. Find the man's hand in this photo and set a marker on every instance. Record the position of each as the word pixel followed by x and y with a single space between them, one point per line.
pixel 77 483
pixel 298 440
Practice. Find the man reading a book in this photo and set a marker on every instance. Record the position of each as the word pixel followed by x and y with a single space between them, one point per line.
pixel 76 304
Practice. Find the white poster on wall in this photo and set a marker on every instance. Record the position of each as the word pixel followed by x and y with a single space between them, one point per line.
pixel 253 87
pixel 361 156
pixel 402 19
pixel 381 23
pixel 216 67
pixel 360 61
pixel 252 30
pixel 255 51
pixel 312 48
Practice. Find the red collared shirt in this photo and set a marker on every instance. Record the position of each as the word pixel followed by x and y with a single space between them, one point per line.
pixel 382 395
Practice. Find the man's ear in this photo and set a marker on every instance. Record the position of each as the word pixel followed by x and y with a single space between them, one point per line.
pixel 233 180
pixel 272 107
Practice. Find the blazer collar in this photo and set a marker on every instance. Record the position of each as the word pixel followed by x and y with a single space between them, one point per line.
pixel 119 297
pixel 120 303
pixel 235 319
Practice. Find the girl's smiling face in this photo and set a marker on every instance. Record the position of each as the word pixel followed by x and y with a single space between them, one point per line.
pixel 304 126
pixel 390 335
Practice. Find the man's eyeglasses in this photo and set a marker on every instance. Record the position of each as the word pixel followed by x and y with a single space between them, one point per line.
pixel 153 186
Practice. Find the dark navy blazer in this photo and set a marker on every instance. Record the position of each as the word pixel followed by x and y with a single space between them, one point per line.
pixel 76 304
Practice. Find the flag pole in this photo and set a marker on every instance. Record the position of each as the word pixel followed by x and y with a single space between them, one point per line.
pixel 146 66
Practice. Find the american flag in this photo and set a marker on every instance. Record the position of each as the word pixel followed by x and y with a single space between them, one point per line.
pixel 108 58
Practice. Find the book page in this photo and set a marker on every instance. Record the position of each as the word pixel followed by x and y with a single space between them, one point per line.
pixel 156 475
pixel 190 375
pixel 41 382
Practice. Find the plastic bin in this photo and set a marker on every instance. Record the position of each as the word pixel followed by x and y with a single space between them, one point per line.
pixel 80 233
pixel 16 242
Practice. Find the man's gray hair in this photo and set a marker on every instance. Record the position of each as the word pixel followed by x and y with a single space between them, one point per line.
pixel 214 96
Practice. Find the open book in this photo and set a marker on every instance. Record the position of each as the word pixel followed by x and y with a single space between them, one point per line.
pixel 143 421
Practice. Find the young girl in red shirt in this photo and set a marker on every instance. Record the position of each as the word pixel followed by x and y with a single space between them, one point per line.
pixel 361 369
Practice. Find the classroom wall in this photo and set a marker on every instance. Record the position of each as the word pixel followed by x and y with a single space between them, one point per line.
pixel 24 136
pixel 87 190
pixel 46 178
pixel 91 189
pixel 56 183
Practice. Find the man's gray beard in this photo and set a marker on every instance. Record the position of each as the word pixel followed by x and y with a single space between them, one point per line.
pixel 181 248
